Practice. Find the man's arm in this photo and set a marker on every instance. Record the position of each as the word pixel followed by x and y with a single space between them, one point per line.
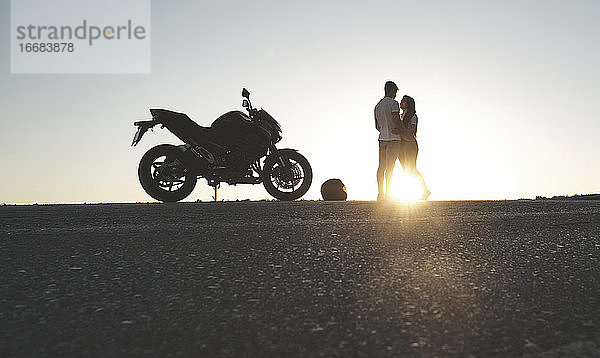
pixel 397 122
pixel 377 126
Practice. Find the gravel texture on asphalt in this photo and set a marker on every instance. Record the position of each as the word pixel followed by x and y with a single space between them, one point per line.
pixel 301 279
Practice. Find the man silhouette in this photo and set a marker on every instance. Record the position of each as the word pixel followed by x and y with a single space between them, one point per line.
pixel 387 120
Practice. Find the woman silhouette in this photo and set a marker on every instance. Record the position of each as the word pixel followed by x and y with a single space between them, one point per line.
pixel 409 149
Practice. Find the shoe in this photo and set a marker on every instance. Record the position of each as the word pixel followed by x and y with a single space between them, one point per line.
pixel 426 194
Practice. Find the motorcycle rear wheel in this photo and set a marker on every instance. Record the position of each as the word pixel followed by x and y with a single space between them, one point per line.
pixel 163 175
pixel 290 182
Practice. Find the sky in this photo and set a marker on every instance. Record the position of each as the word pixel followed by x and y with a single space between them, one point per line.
pixel 506 94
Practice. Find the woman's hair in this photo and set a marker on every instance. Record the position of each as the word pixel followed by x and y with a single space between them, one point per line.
pixel 410 110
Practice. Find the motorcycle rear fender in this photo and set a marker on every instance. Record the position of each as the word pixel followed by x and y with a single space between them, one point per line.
pixel 143 127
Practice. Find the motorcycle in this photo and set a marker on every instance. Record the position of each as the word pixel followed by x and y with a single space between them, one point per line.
pixel 237 148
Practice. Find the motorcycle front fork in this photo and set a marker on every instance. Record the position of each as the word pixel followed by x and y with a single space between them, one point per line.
pixel 282 163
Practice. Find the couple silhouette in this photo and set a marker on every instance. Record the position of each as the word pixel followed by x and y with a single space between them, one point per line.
pixel 397 126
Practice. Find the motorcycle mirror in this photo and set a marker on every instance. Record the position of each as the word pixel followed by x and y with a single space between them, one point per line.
pixel 245 93
pixel 245 103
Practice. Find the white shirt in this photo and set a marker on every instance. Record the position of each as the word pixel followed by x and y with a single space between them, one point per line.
pixel 383 115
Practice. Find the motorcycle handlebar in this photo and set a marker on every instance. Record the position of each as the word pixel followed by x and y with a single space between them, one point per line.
pixel 252 112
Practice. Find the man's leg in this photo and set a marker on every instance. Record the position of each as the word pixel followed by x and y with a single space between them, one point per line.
pixel 381 170
pixel 389 174
pixel 391 155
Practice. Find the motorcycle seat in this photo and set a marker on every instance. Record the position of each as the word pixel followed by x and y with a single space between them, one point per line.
pixel 181 125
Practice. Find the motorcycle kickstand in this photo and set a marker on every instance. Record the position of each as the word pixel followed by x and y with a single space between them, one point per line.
pixel 216 188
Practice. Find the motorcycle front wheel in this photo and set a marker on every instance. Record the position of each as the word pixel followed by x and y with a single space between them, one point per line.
pixel 163 174
pixel 290 181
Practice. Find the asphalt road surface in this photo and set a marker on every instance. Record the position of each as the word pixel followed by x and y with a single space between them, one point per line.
pixel 301 279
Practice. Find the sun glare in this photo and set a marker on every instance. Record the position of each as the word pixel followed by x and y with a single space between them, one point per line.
pixel 405 188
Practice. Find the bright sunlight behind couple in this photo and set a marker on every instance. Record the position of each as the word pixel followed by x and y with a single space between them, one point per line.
pixel 405 188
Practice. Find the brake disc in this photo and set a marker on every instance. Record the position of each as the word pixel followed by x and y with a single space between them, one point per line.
pixel 289 184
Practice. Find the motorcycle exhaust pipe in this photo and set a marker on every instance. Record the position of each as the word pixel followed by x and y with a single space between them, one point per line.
pixel 193 161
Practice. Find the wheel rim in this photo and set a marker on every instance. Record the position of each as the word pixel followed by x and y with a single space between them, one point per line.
pixel 287 180
pixel 169 177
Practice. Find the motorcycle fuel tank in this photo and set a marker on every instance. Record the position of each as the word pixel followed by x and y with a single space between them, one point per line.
pixel 236 130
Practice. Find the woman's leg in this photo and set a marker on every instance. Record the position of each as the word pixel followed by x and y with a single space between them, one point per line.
pixel 411 151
